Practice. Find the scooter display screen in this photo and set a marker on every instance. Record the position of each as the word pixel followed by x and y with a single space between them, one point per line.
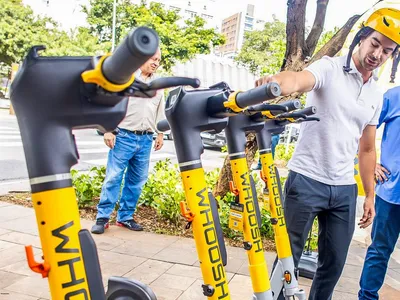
pixel 172 98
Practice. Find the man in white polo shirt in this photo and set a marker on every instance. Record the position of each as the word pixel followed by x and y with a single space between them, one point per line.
pixel 321 179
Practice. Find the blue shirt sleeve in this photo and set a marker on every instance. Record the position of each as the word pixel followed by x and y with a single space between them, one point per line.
pixel 385 110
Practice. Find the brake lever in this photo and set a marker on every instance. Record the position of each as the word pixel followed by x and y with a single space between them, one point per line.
pixel 309 119
pixel 292 115
pixel 168 82
pixel 148 90
pixel 266 107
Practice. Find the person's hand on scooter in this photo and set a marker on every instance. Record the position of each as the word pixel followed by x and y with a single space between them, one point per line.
pixel 109 140
pixel 264 80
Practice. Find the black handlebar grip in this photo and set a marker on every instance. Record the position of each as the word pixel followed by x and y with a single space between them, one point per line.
pixel 257 95
pixel 308 111
pixel 163 125
pixel 167 82
pixel 291 104
pixel 137 48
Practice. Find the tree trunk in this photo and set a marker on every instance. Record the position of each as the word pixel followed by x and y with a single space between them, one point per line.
pixel 295 60
pixel 295 34
pixel 225 175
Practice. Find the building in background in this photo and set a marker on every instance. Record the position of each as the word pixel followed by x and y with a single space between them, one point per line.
pixel 234 28
pixel 189 9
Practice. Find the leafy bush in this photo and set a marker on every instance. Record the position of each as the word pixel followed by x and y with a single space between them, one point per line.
pixel 88 185
pixel 164 191
pixel 212 178
pixel 280 152
pixel 314 237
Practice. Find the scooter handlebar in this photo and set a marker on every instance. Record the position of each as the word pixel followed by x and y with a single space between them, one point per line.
pixel 257 95
pixel 308 111
pixel 138 47
pixel 163 125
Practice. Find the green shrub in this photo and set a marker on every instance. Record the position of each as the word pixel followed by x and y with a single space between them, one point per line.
pixel 280 152
pixel 212 178
pixel 164 191
pixel 88 185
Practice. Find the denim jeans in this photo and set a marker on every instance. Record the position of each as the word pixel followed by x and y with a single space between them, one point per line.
pixel 131 152
pixel 385 233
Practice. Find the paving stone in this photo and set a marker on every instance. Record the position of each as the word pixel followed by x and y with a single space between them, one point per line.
pixel 22 238
pixel 121 259
pixel 143 249
pixel 12 212
pixel 174 281
pixel 15 254
pixel 194 292
pixel 8 295
pixel 352 271
pixel 188 271
pixel 25 224
pixel 21 267
pixel 34 286
pixel 389 293
pixel 165 293
pixel 173 254
pixel 348 285
pixel 240 287
pixel 149 271
pixel 6 245
pixel 4 231
pixel 7 278
pixel 104 242
pixel 111 269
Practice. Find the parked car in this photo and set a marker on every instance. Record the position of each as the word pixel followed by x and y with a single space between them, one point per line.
pixel 294 135
pixel 167 135
pixel 213 139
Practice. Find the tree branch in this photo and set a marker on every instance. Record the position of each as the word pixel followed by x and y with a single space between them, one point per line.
pixel 335 44
pixel 317 28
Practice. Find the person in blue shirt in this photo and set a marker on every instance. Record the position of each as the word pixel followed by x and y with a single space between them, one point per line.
pixel 386 225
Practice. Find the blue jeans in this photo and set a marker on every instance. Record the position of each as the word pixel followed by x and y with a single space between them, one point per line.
pixel 131 152
pixel 274 142
pixel 385 232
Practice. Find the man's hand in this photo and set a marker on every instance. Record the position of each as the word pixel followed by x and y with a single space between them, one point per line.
pixel 369 213
pixel 109 139
pixel 290 82
pixel 264 80
pixel 381 173
pixel 159 142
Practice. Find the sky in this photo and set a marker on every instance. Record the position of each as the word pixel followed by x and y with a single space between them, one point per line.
pixel 339 11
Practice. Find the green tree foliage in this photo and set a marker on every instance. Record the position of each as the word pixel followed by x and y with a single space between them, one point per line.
pixel 20 29
pixel 180 40
pixel 263 51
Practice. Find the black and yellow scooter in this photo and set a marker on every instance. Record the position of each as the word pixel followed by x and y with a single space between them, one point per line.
pixel 51 96
pixel 245 213
pixel 189 113
pixel 284 276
